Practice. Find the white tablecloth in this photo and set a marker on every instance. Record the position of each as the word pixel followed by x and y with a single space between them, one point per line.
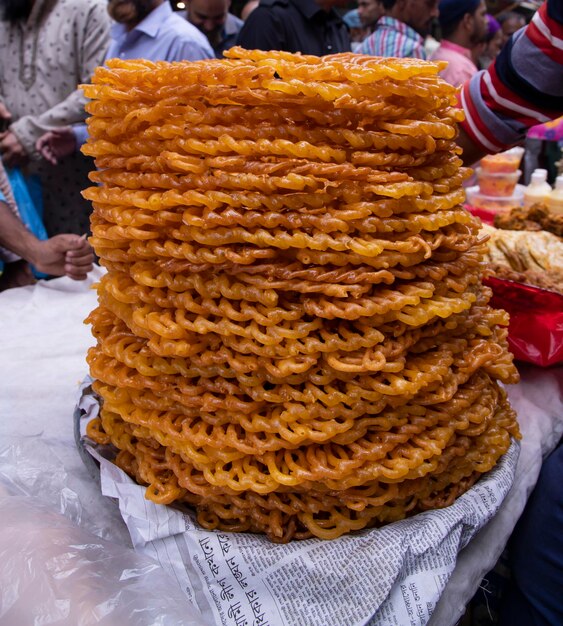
pixel 49 501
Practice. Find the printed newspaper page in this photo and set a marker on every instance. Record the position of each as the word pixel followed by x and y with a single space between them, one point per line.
pixel 393 575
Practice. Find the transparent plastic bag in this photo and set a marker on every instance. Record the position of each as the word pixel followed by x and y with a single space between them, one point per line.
pixel 27 193
pixel 55 567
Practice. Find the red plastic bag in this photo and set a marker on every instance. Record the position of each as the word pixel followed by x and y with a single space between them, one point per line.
pixel 535 333
pixel 487 216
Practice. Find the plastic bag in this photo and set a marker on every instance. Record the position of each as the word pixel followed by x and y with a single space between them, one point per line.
pixel 27 194
pixel 65 555
pixel 535 333
pixel 29 200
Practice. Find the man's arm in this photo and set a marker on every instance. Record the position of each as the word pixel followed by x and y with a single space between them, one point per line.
pixel 14 236
pixel 523 87
pixel 68 255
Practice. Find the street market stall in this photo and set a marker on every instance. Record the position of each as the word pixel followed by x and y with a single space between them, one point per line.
pixel 358 288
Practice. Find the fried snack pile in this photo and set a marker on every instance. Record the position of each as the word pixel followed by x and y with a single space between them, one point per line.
pixel 292 335
pixel 527 256
pixel 536 217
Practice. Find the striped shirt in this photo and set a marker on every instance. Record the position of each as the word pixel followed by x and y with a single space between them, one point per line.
pixel 393 38
pixel 522 88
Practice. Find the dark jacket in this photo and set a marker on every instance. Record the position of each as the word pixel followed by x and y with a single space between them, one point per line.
pixel 294 26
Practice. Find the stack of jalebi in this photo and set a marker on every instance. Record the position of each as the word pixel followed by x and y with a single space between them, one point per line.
pixel 292 335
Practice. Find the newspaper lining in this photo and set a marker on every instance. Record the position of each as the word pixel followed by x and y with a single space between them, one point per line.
pixel 391 576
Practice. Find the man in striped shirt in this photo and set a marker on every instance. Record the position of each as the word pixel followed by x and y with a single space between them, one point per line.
pixel 400 32
pixel 523 87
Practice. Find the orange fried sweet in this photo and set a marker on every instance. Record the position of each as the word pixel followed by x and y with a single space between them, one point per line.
pixel 292 335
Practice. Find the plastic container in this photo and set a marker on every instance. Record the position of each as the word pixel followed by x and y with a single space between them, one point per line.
pixel 499 185
pixel 508 161
pixel 538 190
pixel 555 198
pixel 495 204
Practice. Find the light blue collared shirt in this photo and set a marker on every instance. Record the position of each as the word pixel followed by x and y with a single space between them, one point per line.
pixel 161 36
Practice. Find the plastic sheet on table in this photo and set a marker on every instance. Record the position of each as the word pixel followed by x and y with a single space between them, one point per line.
pixel 65 559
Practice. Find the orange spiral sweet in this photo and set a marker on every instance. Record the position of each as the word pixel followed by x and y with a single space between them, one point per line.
pixel 292 335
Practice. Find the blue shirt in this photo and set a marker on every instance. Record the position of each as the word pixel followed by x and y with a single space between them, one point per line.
pixel 161 36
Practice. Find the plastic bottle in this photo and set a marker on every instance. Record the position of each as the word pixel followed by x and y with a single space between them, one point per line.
pixel 538 190
pixel 555 199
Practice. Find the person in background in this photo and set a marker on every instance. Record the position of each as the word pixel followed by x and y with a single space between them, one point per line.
pixel 358 32
pixel 146 29
pixel 149 29
pixel 400 32
pixel 492 44
pixel 535 549
pixel 510 22
pixel 307 26
pixel 523 87
pixel 369 11
pixel 47 48
pixel 248 8
pixel 213 19
pixel 64 254
pixel 463 24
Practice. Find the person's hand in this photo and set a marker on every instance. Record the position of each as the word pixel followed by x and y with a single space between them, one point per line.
pixel 64 255
pixel 5 119
pixel 12 152
pixel 56 144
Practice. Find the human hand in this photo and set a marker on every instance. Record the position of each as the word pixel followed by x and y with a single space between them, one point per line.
pixel 56 144
pixel 64 255
pixel 12 152
pixel 5 118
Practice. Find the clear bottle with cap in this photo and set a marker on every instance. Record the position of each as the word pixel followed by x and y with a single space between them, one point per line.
pixel 538 190
pixel 555 199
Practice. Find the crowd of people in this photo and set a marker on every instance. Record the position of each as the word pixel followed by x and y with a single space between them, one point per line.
pixel 510 74
pixel 51 47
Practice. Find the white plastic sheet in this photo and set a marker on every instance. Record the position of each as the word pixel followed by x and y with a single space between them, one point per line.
pixel 65 554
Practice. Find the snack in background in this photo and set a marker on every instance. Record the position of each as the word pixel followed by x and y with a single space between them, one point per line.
pixel 536 255
pixel 503 162
pixel 536 217
pixel 495 204
pixel 497 185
